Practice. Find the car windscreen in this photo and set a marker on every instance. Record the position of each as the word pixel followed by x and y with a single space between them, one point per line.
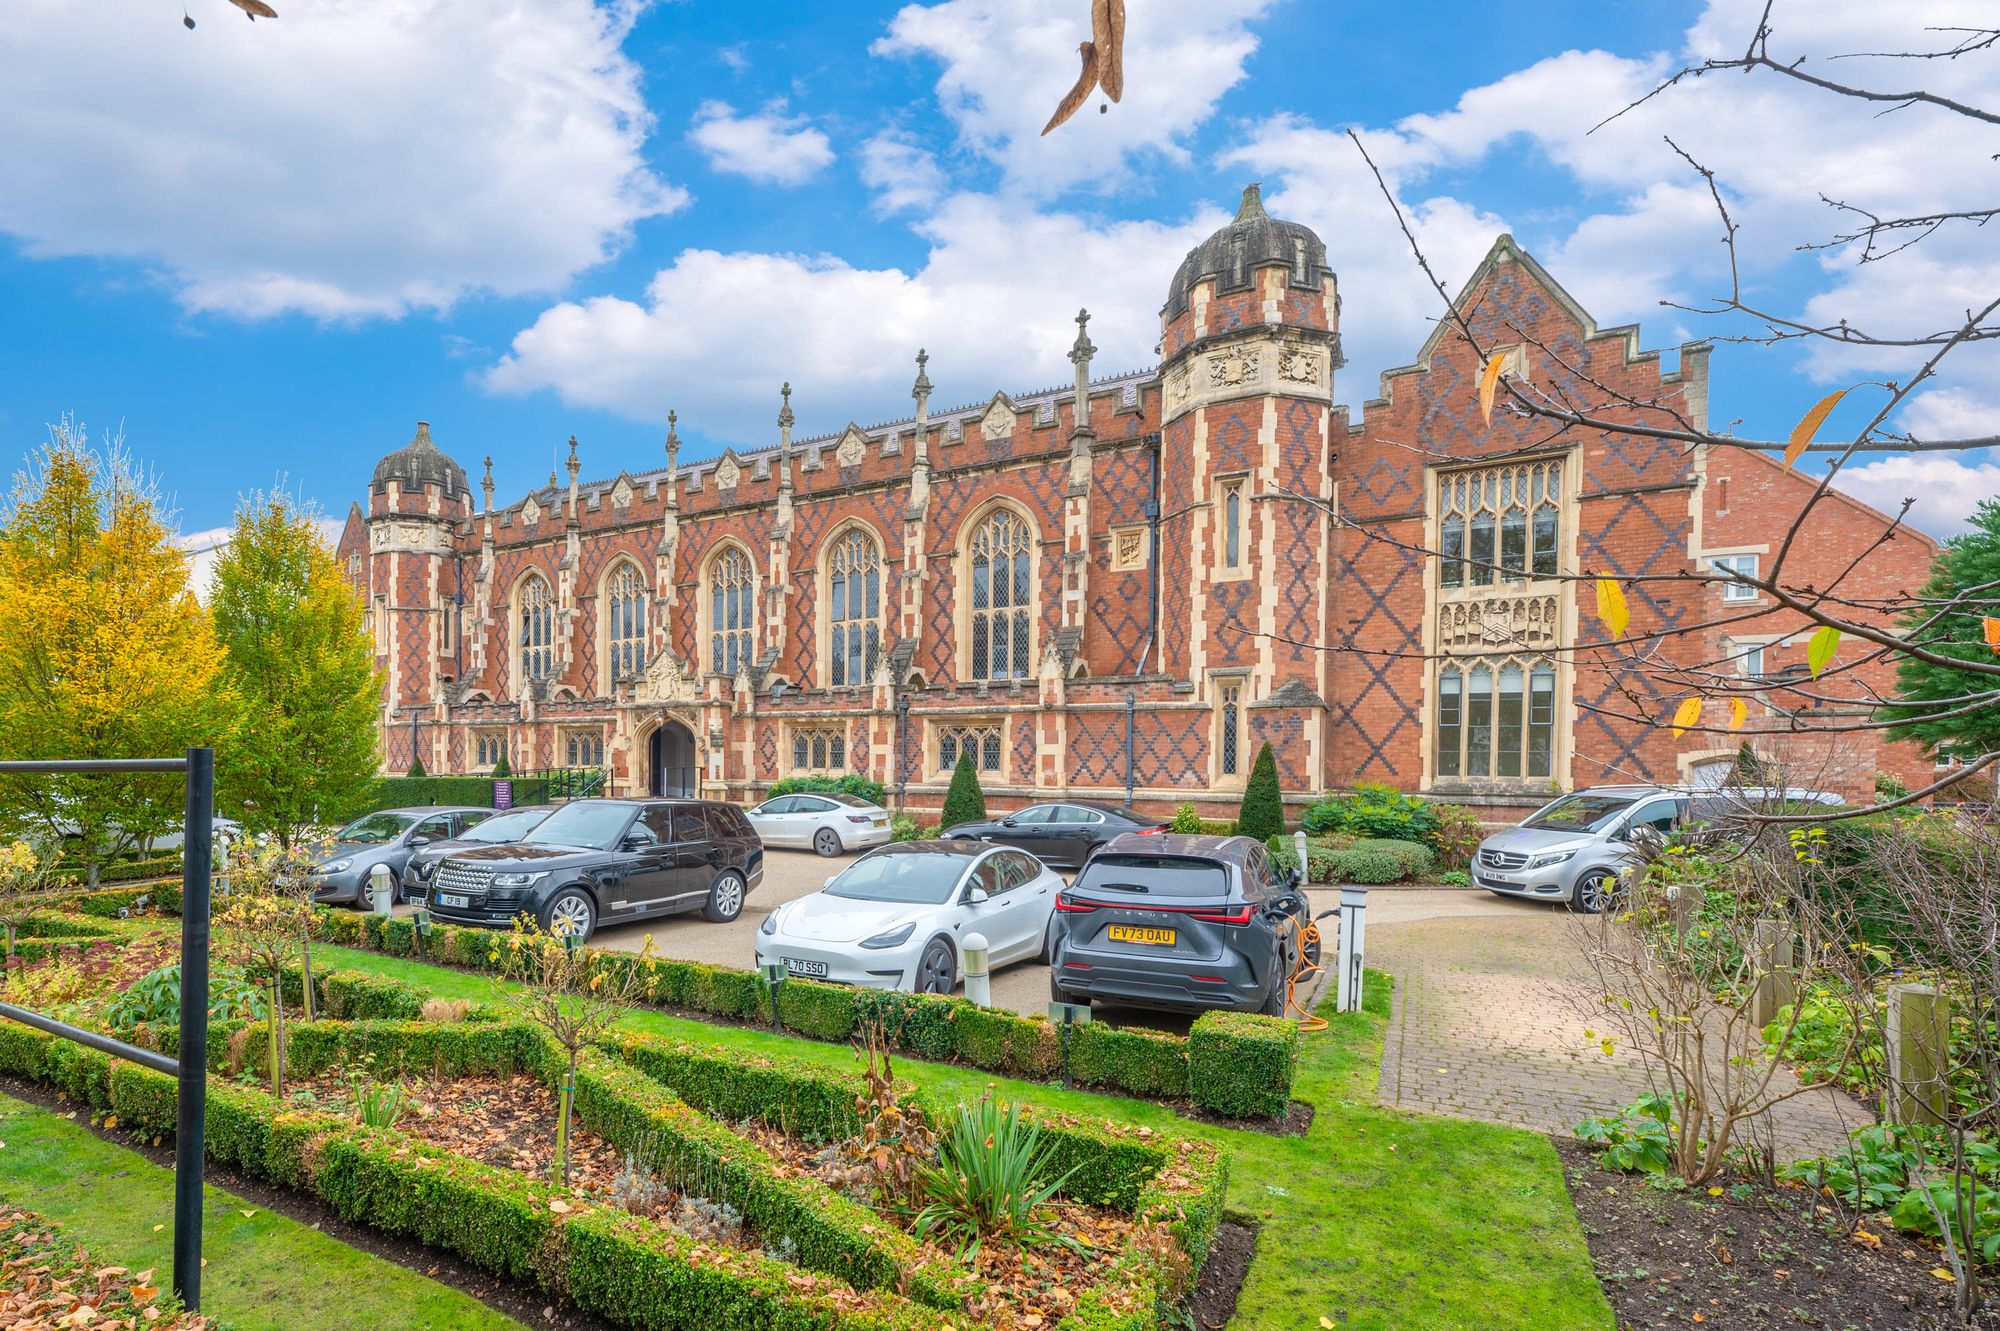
pixel 1154 876
pixel 919 879
pixel 506 827
pixel 597 826
pixel 376 829
pixel 1580 813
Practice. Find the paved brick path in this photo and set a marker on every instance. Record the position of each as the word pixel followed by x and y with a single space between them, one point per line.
pixel 1485 1024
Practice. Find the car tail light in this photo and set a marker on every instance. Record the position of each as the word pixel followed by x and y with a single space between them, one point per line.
pixel 1071 906
pixel 1209 979
pixel 858 818
pixel 1239 916
pixel 1152 831
pixel 1077 965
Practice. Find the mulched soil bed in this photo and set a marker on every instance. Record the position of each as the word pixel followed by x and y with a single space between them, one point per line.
pixel 1214 1301
pixel 1752 1259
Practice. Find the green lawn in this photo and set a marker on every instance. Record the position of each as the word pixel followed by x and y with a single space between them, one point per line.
pixel 1373 1219
pixel 264 1271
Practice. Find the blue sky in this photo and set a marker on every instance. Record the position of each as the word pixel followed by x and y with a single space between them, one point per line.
pixel 272 248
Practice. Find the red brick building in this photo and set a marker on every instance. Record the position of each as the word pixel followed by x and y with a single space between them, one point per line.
pixel 1130 581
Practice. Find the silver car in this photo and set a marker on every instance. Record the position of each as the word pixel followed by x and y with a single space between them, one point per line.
pixel 1578 849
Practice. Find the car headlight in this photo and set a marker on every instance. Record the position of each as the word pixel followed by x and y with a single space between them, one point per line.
pixel 770 924
pixel 892 938
pixel 517 879
pixel 1554 857
pixel 336 866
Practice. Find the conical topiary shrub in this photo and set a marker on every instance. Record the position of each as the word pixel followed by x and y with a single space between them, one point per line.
pixel 1263 812
pixel 417 769
pixel 502 770
pixel 965 802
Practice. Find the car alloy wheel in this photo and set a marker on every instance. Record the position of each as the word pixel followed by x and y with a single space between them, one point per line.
pixel 725 899
pixel 826 841
pixel 570 912
pixel 1595 891
pixel 936 970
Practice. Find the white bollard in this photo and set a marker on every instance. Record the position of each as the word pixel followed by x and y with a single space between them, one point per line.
pixel 978 981
pixel 1353 912
pixel 1305 865
pixel 382 889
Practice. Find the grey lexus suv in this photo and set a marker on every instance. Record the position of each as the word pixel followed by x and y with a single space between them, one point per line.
pixel 1578 849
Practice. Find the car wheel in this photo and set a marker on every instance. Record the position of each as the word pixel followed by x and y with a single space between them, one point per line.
pixel 1059 994
pixel 827 842
pixel 1597 889
pixel 1274 1002
pixel 937 969
pixel 571 911
pixel 725 899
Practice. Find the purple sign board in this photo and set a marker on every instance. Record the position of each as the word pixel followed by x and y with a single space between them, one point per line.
pixel 503 794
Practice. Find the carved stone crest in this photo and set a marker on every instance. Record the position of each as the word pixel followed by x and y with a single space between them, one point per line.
pixel 531 512
pixel 1298 366
pixel 852 448
pixel 621 494
pixel 727 474
pixel 998 422
pixel 1228 369
pixel 664 682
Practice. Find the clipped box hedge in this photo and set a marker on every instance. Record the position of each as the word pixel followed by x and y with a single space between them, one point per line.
pixel 1152 1064
pixel 1240 1065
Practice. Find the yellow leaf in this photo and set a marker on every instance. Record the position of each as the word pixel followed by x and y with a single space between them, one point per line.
pixel 1715 1192
pixel 1941 1273
pixel 1605 1045
pixel 1739 712
pixel 158 1228
pixel 1324 1322
pixel 1809 424
pixel 1992 627
pixel 1612 611
pixel 1825 641
pixel 248 1214
pixel 1489 379
pixel 111 1120
pixel 558 1205
pixel 1686 715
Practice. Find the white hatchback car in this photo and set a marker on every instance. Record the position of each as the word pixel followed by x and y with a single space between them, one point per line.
pixel 828 824
pixel 897 917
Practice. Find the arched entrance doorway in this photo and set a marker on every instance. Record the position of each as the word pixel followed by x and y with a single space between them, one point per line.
pixel 670 761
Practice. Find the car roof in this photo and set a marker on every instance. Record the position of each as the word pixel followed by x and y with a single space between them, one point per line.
pixel 1632 789
pixel 958 848
pixel 426 810
pixel 1097 806
pixel 1234 849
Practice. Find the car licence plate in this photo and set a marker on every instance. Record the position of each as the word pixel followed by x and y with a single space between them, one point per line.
pixel 450 899
pixel 1133 933
pixel 811 970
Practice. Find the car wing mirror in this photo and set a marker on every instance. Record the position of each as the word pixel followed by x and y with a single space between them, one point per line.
pixel 1294 876
pixel 1008 821
pixel 421 840
pixel 634 841
pixel 976 896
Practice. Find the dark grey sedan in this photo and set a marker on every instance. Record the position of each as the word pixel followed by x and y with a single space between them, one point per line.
pixel 388 837
pixel 1181 923
pixel 1062 835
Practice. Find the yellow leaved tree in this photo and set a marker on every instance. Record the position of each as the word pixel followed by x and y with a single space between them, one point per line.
pixel 104 652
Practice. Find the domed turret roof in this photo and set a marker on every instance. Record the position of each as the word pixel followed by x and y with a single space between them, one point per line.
pixel 419 463
pixel 1231 257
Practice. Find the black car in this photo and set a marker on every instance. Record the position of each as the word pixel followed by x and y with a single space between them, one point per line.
pixel 1062 835
pixel 1183 923
pixel 607 860
pixel 502 829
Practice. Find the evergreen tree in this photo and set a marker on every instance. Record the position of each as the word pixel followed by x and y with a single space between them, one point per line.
pixel 1263 813
pixel 965 802
pixel 502 769
pixel 417 771
pixel 104 652
pixel 300 657
pixel 1967 567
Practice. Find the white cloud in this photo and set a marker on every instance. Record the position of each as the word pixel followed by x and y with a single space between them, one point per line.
pixel 355 158
pixel 903 176
pixel 993 302
pixel 1951 413
pixel 1006 63
pixel 767 146
pixel 1946 487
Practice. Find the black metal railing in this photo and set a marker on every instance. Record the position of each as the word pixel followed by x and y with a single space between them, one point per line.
pixel 198 827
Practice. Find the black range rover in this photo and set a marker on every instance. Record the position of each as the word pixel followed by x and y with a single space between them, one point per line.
pixel 607 860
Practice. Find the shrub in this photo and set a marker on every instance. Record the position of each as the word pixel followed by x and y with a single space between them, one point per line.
pixel 1262 814
pixel 1639 1139
pixel 1455 878
pixel 502 770
pixel 905 828
pixel 1412 859
pixel 848 783
pixel 991 1179
pixel 1457 835
pixel 359 996
pixel 1375 810
pixel 1132 1058
pixel 1187 820
pixel 1240 1064
pixel 416 772
pixel 1366 866
pixel 155 999
pixel 965 802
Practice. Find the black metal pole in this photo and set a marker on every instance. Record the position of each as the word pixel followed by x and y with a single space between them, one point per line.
pixel 198 827
pixel 1131 707
pixel 145 1058
pixel 903 753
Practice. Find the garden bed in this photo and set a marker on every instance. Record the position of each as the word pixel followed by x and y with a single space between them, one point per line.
pixel 1752 1258
pixel 48 1281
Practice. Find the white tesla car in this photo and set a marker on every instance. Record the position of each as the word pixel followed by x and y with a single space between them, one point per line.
pixel 897 917
pixel 828 824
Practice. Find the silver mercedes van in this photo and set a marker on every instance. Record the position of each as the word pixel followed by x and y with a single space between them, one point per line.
pixel 1578 849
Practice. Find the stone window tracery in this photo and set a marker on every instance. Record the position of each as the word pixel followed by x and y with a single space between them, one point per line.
pixel 537 629
pixel 981 741
pixel 625 620
pixel 583 748
pixel 732 610
pixel 854 609
pixel 1229 727
pixel 1000 596
pixel 1496 718
pixel 488 746
pixel 1501 524
pixel 819 749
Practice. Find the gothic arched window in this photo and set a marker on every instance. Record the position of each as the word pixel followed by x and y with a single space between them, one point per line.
pixel 625 622
pixel 1496 719
pixel 853 609
pixel 536 613
pixel 999 571
pixel 732 611
pixel 1500 525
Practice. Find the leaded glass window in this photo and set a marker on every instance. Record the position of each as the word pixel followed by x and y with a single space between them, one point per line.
pixel 982 742
pixel 732 611
pixel 1496 719
pixel 1000 597
pixel 854 609
pixel 625 615
pixel 1501 525
pixel 819 749
pixel 537 630
pixel 1230 723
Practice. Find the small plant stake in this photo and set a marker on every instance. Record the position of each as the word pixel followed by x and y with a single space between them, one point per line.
pixel 1066 1015
pixel 774 980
